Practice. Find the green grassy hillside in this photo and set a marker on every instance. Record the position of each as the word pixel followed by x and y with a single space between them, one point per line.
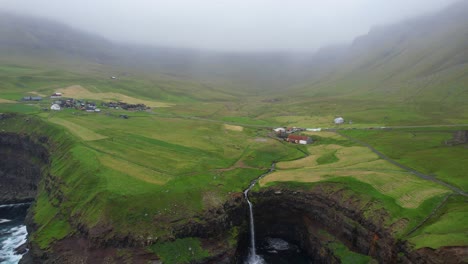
pixel 207 134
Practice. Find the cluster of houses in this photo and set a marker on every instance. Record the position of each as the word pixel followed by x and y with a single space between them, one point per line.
pixel 76 104
pixel 59 103
pixel 287 134
pixel 125 106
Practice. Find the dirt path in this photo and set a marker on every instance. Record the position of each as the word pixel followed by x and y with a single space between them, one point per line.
pixel 413 171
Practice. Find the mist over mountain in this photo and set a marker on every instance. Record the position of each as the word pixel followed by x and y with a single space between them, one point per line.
pixel 425 57
pixel 405 59
pixel 33 36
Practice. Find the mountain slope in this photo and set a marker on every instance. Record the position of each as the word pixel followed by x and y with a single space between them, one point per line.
pixel 38 36
pixel 424 59
pixel 420 60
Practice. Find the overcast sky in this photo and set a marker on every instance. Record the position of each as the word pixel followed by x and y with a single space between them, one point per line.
pixel 236 25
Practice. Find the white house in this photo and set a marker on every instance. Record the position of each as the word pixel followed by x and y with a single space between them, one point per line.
pixel 55 107
pixel 279 129
pixel 339 120
pixel 314 129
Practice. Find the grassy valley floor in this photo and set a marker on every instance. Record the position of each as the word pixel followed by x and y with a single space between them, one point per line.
pixel 141 173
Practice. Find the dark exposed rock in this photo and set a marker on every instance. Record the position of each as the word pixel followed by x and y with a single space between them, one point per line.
pixel 22 161
pixel 297 216
pixel 300 217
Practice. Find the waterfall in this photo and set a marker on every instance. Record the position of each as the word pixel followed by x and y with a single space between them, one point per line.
pixel 253 258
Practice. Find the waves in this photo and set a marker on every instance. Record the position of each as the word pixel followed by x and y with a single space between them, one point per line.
pixel 13 232
pixel 11 239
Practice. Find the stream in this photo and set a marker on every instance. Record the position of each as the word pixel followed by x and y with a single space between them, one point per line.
pixel 270 250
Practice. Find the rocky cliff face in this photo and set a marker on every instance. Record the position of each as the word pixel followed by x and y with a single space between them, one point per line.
pixel 22 161
pixel 302 216
pixel 104 245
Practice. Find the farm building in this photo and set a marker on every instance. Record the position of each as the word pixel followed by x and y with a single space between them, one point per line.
pixel 32 98
pixel 56 95
pixel 299 139
pixel 279 129
pixel 55 107
pixel 339 120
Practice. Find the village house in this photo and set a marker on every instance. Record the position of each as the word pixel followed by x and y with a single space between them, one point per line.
pixel 32 98
pixel 125 106
pixel 279 129
pixel 298 139
pixel 338 120
pixel 56 95
pixel 55 107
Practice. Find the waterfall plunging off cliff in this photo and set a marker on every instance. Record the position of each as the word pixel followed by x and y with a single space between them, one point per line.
pixel 253 258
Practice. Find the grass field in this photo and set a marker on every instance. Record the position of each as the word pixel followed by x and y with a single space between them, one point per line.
pixel 183 166
pixel 331 161
pixel 422 149
pixel 5 101
pixel 202 143
pixel 77 130
pixel 411 194
pixel 447 229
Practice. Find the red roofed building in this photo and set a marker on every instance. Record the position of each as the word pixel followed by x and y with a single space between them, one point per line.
pixel 299 139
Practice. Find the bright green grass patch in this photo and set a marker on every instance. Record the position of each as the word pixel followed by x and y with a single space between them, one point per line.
pixel 423 150
pixel 54 230
pixel 327 158
pixel 79 131
pixel 362 164
pixel 349 257
pixel 18 108
pixel 14 96
pixel 318 140
pixel 186 250
pixel 447 228
pixel 12 69
pixel 52 225
pixel 245 120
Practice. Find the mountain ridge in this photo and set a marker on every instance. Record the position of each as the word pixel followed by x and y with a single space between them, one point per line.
pixel 399 62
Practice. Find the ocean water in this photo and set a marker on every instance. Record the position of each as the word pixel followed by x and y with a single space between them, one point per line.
pixel 13 232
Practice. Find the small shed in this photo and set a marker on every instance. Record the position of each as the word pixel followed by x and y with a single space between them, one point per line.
pixel 339 120
pixel 55 107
